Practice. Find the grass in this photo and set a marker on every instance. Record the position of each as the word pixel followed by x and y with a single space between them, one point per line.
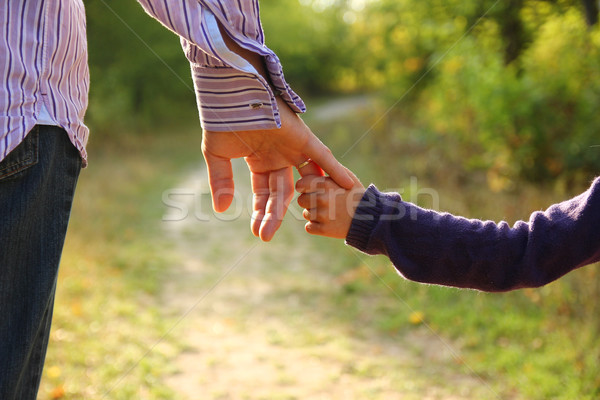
pixel 529 344
pixel 535 344
pixel 107 314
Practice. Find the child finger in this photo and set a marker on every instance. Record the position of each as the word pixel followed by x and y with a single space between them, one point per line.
pixel 310 183
pixel 303 185
pixel 309 214
pixel 307 200
pixel 314 228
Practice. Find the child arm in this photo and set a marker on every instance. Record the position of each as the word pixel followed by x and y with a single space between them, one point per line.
pixel 440 248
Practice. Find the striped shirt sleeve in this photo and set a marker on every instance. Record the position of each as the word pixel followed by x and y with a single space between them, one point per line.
pixel 231 94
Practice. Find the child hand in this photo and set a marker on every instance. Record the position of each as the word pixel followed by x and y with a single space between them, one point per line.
pixel 328 208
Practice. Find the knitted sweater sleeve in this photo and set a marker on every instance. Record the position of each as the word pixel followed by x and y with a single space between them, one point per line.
pixel 440 248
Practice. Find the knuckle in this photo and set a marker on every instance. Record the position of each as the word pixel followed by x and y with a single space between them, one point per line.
pixel 321 185
pixel 323 214
pixel 303 201
pixel 322 201
pixel 309 201
pixel 313 183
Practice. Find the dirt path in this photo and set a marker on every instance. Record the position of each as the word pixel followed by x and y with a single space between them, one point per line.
pixel 267 321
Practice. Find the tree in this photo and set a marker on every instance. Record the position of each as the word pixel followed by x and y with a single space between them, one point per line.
pixel 591 12
pixel 512 29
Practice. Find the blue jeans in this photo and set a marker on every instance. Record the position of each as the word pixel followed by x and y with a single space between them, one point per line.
pixel 37 183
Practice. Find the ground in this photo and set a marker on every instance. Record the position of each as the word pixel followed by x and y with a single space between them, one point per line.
pixel 266 320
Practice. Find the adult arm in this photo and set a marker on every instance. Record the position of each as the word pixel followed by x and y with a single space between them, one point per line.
pixel 439 248
pixel 246 107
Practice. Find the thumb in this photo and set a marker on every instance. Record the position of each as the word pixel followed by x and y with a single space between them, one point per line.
pixel 322 156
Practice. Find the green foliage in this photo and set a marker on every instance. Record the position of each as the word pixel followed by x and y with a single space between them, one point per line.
pixel 528 344
pixel 461 106
pixel 139 75
pixel 508 87
pixel 311 44
pixel 536 121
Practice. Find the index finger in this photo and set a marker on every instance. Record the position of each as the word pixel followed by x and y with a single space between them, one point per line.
pixel 324 158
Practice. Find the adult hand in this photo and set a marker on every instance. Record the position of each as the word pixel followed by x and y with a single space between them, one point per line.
pixel 270 155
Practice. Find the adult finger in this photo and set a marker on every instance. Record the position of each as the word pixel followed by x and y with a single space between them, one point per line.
pixel 312 168
pixel 220 180
pixel 321 155
pixel 260 196
pixel 353 177
pixel 281 192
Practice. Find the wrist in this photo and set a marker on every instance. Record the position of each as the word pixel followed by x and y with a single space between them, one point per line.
pixel 365 218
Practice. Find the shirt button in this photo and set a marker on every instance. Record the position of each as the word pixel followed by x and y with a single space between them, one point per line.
pixel 256 106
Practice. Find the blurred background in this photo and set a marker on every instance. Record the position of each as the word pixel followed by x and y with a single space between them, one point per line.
pixel 492 104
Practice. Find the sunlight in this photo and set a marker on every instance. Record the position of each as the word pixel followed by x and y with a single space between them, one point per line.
pixel 321 5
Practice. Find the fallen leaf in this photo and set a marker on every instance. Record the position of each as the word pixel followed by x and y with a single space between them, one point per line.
pixel 416 317
pixel 58 392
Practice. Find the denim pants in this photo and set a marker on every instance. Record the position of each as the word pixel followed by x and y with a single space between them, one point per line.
pixel 37 183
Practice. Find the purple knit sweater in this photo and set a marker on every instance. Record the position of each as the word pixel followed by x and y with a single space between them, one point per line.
pixel 440 248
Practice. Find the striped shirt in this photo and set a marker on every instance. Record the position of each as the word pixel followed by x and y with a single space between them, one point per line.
pixel 44 71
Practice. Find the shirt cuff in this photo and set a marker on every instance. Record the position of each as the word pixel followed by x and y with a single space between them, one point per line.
pixel 365 219
pixel 231 95
pixel 232 100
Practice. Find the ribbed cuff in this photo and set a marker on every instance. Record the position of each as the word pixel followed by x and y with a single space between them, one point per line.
pixel 365 219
